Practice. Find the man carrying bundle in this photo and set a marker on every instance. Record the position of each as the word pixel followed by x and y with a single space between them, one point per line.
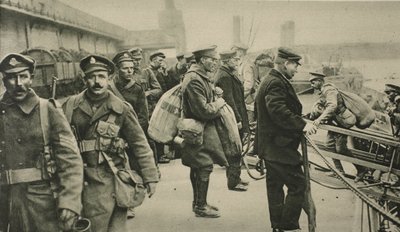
pixel 199 106
pixel 333 110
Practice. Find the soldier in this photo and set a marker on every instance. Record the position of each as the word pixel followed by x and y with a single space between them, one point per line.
pixel 198 103
pixel 39 157
pixel 393 109
pixel 128 89
pixel 175 72
pixel 279 129
pixel 252 75
pixel 234 97
pixel 103 125
pixel 333 110
pixel 241 51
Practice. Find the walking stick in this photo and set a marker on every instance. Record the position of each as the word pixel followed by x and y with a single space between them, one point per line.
pixel 308 204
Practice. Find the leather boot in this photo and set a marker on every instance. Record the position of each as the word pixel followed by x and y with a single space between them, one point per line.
pixel 194 187
pixel 202 209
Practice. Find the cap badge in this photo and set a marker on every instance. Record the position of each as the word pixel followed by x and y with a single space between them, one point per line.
pixel 92 60
pixel 126 55
pixel 13 62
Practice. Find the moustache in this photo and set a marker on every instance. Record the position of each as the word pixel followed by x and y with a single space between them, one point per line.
pixel 20 89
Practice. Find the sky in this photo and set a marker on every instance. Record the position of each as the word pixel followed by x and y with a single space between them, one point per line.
pixel 211 21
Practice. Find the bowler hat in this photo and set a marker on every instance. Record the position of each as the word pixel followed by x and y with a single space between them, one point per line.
pixel 288 54
pixel 121 57
pixel 93 63
pixel 316 75
pixel 15 63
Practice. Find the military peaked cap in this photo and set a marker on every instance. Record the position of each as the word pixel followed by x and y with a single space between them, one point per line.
pixel 239 46
pixel 288 54
pixel 189 57
pixel 93 63
pixel 392 88
pixel 226 55
pixel 15 63
pixel 122 56
pixel 136 52
pixel 180 55
pixel 156 54
pixel 316 75
pixel 208 51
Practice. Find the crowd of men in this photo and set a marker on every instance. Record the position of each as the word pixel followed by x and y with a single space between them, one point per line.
pixel 67 164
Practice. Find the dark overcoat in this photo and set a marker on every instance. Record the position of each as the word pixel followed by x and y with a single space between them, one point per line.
pixel 279 121
pixel 233 94
pixel 33 207
pixel 198 102
pixel 98 193
pixel 134 94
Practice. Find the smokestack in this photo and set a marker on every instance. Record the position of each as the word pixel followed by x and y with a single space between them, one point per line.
pixel 236 29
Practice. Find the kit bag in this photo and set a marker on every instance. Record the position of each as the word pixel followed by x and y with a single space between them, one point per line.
pixel 364 114
pixel 165 117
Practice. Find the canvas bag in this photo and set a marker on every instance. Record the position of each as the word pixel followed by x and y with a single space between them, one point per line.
pixel 364 114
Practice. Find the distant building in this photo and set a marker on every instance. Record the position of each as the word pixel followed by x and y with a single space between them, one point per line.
pixel 287 34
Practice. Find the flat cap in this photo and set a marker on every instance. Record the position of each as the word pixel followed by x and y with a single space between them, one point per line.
pixel 239 46
pixel 288 54
pixel 156 54
pixel 122 56
pixel 209 51
pixel 316 75
pixel 392 88
pixel 93 63
pixel 136 52
pixel 226 55
pixel 15 63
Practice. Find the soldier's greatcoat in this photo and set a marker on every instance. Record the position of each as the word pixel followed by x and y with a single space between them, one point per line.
pixel 98 194
pixel 198 102
pixel 32 206
pixel 279 124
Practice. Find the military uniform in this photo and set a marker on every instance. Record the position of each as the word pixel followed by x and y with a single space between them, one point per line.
pixel 279 128
pixel 27 203
pixel 97 134
pixel 198 102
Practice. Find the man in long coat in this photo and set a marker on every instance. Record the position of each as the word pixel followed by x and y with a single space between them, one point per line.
pixel 27 187
pixel 104 124
pixel 279 128
pixel 198 103
pixel 227 80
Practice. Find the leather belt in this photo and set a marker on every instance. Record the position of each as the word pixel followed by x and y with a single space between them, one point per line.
pixel 87 145
pixel 17 176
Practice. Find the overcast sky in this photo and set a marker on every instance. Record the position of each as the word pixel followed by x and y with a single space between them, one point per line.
pixel 210 21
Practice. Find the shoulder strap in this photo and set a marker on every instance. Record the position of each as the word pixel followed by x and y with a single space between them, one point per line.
pixel 44 120
pixel 69 107
pixel 116 91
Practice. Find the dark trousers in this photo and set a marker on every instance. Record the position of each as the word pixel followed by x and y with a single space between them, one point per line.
pixel 200 178
pixel 285 211
pixel 233 171
pixel 336 142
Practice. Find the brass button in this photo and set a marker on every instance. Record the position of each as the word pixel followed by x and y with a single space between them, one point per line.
pixel 84 164
pixel 3 111
pixel 85 183
pixel 3 142
pixel 19 140
pixel 1 151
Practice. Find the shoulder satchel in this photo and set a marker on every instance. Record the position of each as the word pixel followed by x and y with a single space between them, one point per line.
pixel 129 188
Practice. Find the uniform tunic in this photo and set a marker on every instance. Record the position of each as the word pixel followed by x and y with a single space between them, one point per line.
pixel 32 205
pixel 98 198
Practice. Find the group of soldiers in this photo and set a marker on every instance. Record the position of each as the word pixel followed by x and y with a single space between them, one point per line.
pixel 67 163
